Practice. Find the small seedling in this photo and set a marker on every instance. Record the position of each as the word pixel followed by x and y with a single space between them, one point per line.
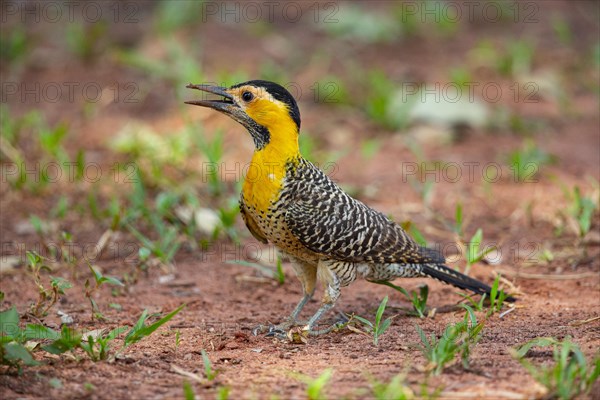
pixel 209 372
pixel 60 209
pixel 569 376
pixel 458 221
pixel 188 391
pixel 526 162
pixel 177 339
pixel 582 210
pixel 140 330
pixel 496 299
pixel 315 386
pixel 474 251
pixel 379 327
pixel 418 300
pixel 46 297
pixel 279 275
pixel 97 347
pixel 13 351
pixel 477 305
pixel 458 338
pixel 472 335
pixel 51 141
pixel 99 280
pixel 67 340
pixel 517 59
pixel 164 248
pixel 14 44
pixel 382 102
pixel 395 389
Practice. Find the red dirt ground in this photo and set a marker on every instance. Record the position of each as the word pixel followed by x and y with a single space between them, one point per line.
pixel 224 302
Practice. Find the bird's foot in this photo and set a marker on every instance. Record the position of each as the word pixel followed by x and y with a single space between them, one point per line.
pixel 298 331
pixel 279 331
pixel 339 324
pixel 300 334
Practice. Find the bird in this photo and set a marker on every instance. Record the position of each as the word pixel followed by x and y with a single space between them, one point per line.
pixel 326 234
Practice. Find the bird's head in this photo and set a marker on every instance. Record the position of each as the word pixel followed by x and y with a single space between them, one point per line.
pixel 267 110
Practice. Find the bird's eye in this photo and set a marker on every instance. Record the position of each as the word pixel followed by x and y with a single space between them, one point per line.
pixel 247 96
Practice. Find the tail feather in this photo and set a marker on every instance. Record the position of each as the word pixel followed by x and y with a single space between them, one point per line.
pixel 455 278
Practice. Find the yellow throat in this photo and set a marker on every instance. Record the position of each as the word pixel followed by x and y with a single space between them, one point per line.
pixel 267 169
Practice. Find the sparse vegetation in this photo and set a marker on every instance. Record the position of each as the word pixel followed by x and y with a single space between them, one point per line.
pixel 91 288
pixel 395 389
pixel 379 326
pixel 582 210
pixel 418 300
pixel 458 339
pixel 17 345
pixel 119 202
pixel 526 162
pixel 47 297
pixel 569 376
pixel 474 250
pixel 209 372
pixel 315 387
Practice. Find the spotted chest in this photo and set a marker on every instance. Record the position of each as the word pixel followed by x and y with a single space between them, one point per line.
pixel 271 226
pixel 266 194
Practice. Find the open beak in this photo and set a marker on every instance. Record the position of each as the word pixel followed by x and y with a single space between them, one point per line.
pixel 224 105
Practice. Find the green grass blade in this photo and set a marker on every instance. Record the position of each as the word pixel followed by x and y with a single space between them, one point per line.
pixel 139 331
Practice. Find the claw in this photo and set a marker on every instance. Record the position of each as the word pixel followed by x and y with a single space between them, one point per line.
pixel 343 319
pixel 257 330
pixel 275 331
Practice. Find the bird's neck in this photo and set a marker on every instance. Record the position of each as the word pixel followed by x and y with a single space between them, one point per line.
pixel 267 170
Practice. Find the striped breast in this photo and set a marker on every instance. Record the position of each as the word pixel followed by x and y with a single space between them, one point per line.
pixel 271 224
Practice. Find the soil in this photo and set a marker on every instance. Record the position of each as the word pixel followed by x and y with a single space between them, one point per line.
pixel 558 297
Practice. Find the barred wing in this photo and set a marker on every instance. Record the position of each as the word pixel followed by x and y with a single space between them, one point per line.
pixel 328 221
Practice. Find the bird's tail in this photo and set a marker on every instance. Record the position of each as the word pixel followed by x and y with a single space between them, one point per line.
pixel 455 278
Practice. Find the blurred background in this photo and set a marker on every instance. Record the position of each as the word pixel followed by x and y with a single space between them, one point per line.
pixel 467 122
pixel 413 106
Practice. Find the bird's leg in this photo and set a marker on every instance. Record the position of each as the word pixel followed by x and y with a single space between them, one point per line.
pixel 332 293
pixel 294 315
pixel 307 274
